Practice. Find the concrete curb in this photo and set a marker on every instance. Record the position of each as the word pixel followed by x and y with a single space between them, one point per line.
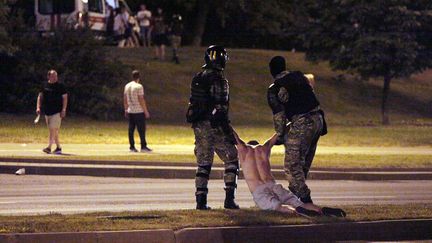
pixel 391 230
pixel 186 164
pixel 369 231
pixel 148 236
pixel 181 172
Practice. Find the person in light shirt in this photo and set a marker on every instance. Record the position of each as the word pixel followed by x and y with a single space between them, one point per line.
pixel 136 111
pixel 144 17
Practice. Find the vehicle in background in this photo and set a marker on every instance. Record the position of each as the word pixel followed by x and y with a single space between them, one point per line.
pixel 52 14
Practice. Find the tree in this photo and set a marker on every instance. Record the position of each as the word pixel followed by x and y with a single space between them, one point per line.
pixel 6 46
pixel 386 39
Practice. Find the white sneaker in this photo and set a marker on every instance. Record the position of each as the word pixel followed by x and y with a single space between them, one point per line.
pixel 20 171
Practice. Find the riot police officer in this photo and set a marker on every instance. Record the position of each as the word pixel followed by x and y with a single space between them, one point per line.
pixel 208 113
pixel 292 99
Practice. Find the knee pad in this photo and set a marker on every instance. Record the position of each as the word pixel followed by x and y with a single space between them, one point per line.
pixel 203 171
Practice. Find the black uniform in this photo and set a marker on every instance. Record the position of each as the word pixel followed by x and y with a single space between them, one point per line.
pixel 208 113
pixel 292 98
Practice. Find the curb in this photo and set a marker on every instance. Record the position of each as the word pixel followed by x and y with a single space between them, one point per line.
pixel 182 172
pixel 148 236
pixel 391 230
pixel 187 164
pixel 369 231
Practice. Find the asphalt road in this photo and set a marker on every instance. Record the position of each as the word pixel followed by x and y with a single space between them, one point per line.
pixel 13 149
pixel 40 194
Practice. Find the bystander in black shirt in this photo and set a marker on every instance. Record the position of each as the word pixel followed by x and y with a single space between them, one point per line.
pixel 52 100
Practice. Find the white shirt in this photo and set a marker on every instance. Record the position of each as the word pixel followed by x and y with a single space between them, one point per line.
pixel 144 17
pixel 118 23
pixel 132 90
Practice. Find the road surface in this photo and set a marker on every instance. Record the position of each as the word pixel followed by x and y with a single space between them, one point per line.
pixel 41 194
pixel 13 149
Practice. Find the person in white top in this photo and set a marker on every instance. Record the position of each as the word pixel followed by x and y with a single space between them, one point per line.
pixel 119 28
pixel 144 17
pixel 136 111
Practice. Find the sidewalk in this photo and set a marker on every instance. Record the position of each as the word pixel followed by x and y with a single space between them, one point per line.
pixel 40 163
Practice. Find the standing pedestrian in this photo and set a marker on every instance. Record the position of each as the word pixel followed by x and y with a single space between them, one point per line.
pixel 144 17
pixel 292 99
pixel 160 38
pixel 176 31
pixel 52 101
pixel 208 113
pixel 119 28
pixel 136 111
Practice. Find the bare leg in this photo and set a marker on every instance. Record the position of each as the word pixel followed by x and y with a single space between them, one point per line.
pixel 157 52
pixel 162 52
pixel 51 137
pixel 312 206
pixel 285 209
pixel 56 137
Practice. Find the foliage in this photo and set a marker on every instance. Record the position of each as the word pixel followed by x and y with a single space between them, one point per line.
pixel 388 39
pixel 81 63
pixel 6 47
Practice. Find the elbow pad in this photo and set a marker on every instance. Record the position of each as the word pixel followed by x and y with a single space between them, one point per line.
pixel 273 99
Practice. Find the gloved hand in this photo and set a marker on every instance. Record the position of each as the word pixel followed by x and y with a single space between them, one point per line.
pixel 218 118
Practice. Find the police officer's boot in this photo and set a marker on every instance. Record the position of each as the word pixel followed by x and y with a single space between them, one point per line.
pixel 201 200
pixel 229 199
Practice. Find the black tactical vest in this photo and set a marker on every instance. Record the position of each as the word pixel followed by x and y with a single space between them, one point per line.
pixel 208 89
pixel 300 99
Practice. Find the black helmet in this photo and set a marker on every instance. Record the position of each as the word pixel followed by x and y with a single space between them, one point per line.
pixel 215 57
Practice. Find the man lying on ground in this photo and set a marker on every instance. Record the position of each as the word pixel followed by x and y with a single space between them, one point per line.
pixel 255 163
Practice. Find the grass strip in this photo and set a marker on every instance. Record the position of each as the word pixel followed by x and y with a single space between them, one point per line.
pixel 20 129
pixel 178 219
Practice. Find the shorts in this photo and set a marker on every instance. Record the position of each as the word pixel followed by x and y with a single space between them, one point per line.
pixel 285 196
pixel 175 41
pixel 160 39
pixel 53 121
pixel 265 198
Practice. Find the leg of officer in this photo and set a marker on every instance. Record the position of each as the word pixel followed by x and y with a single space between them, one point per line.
pixel 297 144
pixel 204 152
pixel 310 154
pixel 227 152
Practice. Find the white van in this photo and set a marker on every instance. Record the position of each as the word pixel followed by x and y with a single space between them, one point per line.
pixel 50 14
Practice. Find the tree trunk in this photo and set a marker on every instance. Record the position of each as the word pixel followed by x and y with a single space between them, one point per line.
pixel 384 111
pixel 200 21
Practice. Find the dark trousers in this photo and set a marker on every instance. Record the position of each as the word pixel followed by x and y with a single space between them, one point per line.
pixel 137 120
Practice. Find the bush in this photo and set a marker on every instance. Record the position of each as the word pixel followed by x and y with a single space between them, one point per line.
pixel 93 81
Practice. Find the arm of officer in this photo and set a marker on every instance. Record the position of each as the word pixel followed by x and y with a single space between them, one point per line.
pixel 279 118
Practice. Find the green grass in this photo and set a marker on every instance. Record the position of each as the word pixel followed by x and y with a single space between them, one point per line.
pixel 179 219
pixel 20 129
pixel 344 139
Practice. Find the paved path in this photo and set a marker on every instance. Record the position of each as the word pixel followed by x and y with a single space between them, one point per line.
pixel 32 194
pixel 12 149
